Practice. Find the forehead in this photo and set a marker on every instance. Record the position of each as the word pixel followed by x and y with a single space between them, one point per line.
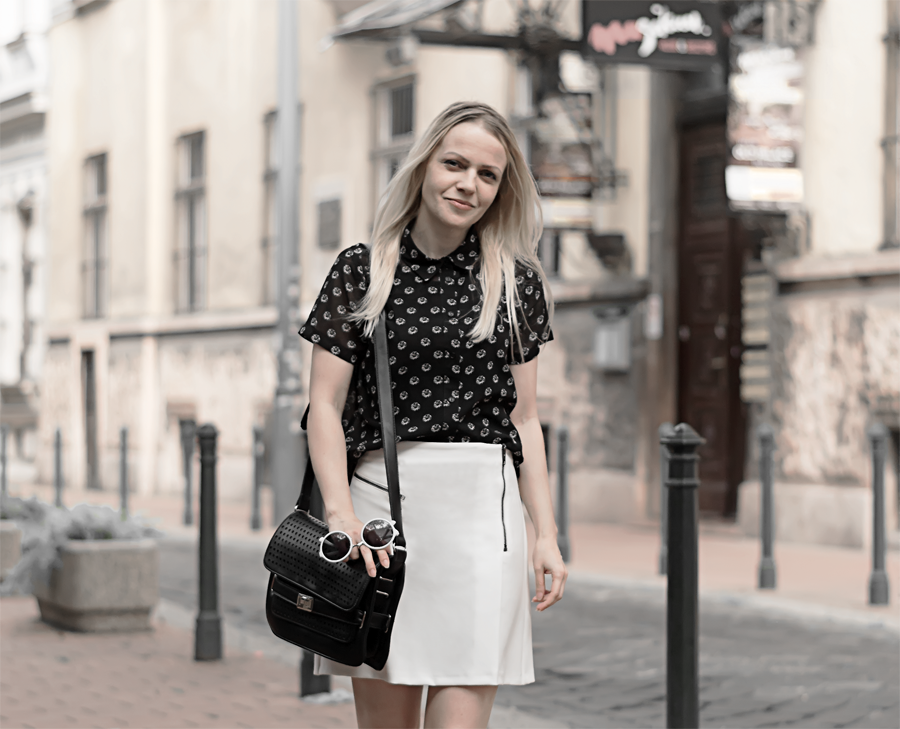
pixel 476 144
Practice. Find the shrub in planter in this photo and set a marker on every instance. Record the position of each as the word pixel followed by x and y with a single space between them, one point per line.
pixel 89 569
pixel 10 547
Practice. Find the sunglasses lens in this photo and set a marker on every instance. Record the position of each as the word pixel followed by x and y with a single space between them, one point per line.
pixel 336 546
pixel 378 533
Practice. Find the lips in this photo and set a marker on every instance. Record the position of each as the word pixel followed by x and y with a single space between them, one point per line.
pixel 461 204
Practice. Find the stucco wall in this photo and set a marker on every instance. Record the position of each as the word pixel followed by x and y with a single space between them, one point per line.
pixel 843 127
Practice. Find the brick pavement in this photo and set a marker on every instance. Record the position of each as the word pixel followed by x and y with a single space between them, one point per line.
pixel 52 679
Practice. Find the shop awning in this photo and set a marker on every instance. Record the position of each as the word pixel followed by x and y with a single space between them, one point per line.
pixel 379 17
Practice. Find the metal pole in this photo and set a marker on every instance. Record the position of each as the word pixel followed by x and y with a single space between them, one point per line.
pixel 123 470
pixel 879 593
pixel 309 682
pixel 57 466
pixel 562 489
pixel 208 636
pixel 259 450
pixel 666 430
pixel 188 429
pixel 767 573
pixel 682 664
pixel 287 456
pixel 4 487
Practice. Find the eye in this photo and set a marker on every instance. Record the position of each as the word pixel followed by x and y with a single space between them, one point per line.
pixel 451 162
pixel 489 174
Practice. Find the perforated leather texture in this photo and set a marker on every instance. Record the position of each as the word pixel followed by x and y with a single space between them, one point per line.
pixel 293 553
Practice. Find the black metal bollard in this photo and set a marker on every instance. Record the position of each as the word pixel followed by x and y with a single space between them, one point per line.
pixel 666 430
pixel 4 486
pixel 879 592
pixel 562 493
pixel 259 451
pixel 208 637
pixel 57 466
pixel 682 664
pixel 767 573
pixel 310 683
pixel 123 470
pixel 188 428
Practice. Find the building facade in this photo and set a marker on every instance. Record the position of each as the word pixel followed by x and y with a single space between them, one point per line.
pixel 24 67
pixel 163 226
pixel 163 212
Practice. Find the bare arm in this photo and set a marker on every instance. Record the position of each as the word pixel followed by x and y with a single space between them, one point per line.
pixel 534 487
pixel 328 384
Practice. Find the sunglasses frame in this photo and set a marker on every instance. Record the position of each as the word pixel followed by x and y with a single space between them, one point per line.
pixel 361 543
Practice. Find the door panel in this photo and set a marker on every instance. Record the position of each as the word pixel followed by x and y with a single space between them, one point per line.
pixel 709 318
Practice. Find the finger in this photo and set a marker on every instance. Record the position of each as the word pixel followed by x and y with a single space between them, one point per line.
pixel 370 563
pixel 539 588
pixel 354 554
pixel 384 558
pixel 555 592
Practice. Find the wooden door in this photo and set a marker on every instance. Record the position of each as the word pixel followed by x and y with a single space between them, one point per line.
pixel 709 317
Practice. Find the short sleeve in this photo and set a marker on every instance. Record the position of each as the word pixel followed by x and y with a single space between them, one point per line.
pixel 341 294
pixel 533 316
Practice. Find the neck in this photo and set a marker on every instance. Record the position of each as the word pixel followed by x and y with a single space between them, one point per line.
pixel 434 239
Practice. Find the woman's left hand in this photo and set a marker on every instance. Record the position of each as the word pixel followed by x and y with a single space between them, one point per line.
pixel 548 561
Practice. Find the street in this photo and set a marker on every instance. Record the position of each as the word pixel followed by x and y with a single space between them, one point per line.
pixel 600 655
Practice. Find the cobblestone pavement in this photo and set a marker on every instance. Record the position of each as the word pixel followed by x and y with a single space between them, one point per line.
pixel 600 656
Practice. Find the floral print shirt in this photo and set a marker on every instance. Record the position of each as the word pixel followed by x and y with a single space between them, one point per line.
pixel 446 387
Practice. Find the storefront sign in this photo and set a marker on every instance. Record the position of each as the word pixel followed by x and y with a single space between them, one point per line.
pixel 673 35
pixel 561 156
pixel 765 126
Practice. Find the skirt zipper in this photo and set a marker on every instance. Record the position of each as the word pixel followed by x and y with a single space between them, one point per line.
pixel 503 499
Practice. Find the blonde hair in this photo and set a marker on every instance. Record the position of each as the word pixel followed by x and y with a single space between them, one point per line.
pixel 509 230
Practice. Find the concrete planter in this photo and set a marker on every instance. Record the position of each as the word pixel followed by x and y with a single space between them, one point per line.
pixel 102 585
pixel 10 547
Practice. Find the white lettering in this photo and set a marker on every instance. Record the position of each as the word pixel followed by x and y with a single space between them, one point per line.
pixel 665 24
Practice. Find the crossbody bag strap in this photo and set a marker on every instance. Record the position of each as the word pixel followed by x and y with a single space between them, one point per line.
pixel 386 412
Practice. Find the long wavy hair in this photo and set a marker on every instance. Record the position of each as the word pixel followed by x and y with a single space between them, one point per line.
pixel 509 230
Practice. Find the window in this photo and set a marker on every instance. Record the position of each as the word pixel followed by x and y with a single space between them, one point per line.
pixel 94 260
pixel 269 293
pixel 394 133
pixel 549 250
pixel 190 251
pixel 891 141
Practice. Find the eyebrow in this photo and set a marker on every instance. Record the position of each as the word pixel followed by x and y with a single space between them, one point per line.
pixel 468 162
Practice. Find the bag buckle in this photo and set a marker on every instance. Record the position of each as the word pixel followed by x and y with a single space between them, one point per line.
pixel 305 603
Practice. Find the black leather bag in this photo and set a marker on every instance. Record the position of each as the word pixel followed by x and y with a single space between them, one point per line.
pixel 338 610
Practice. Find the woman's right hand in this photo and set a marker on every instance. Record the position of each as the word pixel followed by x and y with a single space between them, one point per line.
pixel 350 524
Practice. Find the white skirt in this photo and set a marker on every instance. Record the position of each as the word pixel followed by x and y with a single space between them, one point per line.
pixel 464 616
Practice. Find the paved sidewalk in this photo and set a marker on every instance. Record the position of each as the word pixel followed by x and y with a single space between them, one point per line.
pixel 53 679
pixel 824 580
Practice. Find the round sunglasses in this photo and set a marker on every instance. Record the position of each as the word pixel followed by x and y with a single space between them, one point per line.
pixel 376 534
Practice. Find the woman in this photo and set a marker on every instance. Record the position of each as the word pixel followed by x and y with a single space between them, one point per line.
pixel 453 264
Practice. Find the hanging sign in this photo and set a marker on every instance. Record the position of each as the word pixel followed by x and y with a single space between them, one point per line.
pixel 765 126
pixel 672 35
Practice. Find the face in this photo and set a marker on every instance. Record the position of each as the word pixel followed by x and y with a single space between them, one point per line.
pixel 462 177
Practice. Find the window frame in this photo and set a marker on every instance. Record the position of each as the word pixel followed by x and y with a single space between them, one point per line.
pixel 95 244
pixel 190 257
pixel 269 237
pixel 389 151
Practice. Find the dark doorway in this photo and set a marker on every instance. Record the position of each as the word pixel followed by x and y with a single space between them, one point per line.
pixel 89 388
pixel 709 317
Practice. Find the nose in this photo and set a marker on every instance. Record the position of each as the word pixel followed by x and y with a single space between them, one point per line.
pixel 466 183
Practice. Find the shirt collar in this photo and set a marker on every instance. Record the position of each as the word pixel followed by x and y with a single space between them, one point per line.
pixel 464 257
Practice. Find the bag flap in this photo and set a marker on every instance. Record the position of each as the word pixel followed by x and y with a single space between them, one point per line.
pixel 293 554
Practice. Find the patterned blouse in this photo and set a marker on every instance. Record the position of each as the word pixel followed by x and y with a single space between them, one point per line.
pixel 446 387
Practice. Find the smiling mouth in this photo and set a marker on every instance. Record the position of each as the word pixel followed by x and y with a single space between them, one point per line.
pixel 460 204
